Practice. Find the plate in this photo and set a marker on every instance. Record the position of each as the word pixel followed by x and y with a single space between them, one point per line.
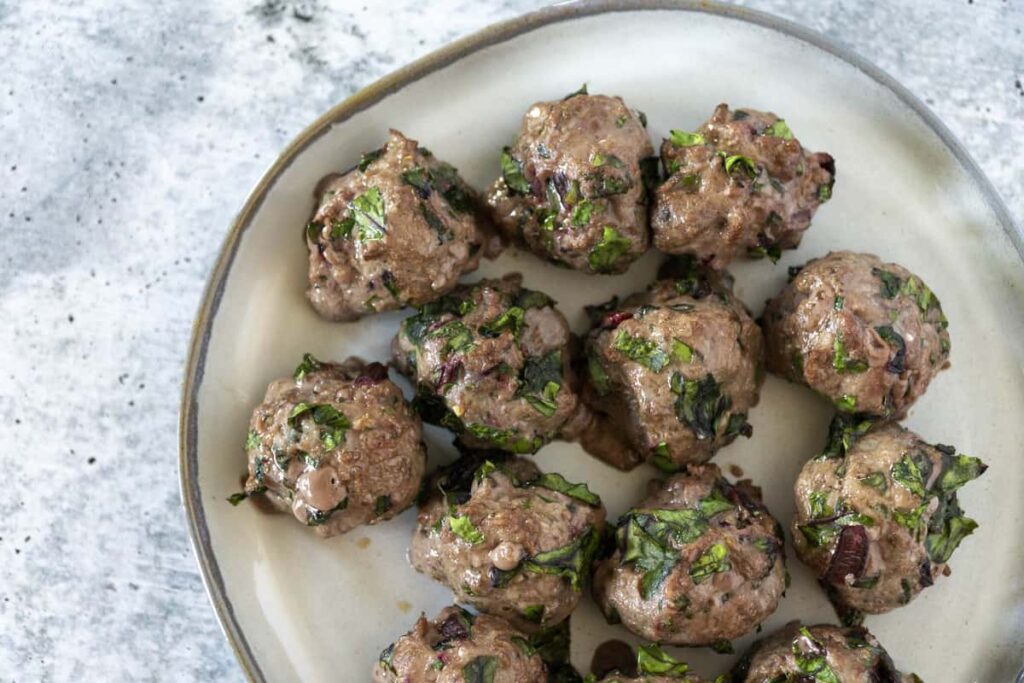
pixel 298 608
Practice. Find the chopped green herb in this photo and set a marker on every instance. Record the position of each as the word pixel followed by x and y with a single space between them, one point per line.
pixel 512 172
pixel 252 440
pixel 342 228
pixel 690 183
pixel 368 158
pixel 723 647
pixel 810 658
pixel 700 404
pixel 642 351
pixel 941 544
pixel 843 363
pixel 620 121
pixel 457 337
pixel 714 503
pixel 480 669
pixel 651 659
pixel 842 432
pixel 419 178
pixel 511 319
pixel 896 364
pixel 739 162
pixel 541 382
pixel 572 561
pixel 582 91
pixel 876 480
pixel 957 471
pixel 682 351
pixel 779 129
pixel 738 425
pixel 463 528
pixel 368 212
pixel 582 212
pixel 907 473
pixel 824 192
pixel 534 613
pixel 236 498
pixel 837 303
pixel 711 561
pixel 891 283
pixel 317 517
pixel 681 138
pixel 556 482
pixel 381 505
pixel 606 254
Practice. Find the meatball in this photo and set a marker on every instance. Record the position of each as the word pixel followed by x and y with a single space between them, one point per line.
pixel 458 646
pixel 741 184
pixel 671 372
pixel 507 539
pixel 492 363
pixel 573 187
pixel 398 230
pixel 819 653
pixel 653 665
pixel 877 516
pixel 867 335
pixel 698 562
pixel 337 445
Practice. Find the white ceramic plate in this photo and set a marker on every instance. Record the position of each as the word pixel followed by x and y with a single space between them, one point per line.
pixel 296 607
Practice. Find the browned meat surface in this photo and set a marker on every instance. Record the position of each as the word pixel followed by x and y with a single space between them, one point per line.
pixel 877 516
pixel 507 539
pixel 742 184
pixel 671 372
pixel 573 188
pixel 337 445
pixel 457 647
pixel 698 562
pixel 819 653
pixel 398 230
pixel 867 335
pixel 491 362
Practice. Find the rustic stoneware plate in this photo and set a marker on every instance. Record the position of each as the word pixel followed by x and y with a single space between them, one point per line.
pixel 297 607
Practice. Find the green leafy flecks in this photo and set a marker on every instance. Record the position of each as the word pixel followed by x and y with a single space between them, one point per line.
pixel 581 91
pixel 681 138
pixel 582 212
pixel 736 162
pixel 846 403
pixel 368 212
pixel 641 350
pixel 957 471
pixel 690 183
pixel 682 351
pixel 908 474
pixel 712 561
pixel 534 613
pixel 941 543
pixel 824 192
pixel 511 319
pixel 838 303
pixel 368 158
pixel 606 254
pixel 512 172
pixel 541 382
pixel 811 660
pixel 457 337
pixel 572 561
pixel 714 503
pixel 480 669
pixel 738 426
pixel 464 528
pixel 700 404
pixel 843 363
pixel 875 480
pixel 891 283
pixel 505 439
pixel 238 497
pixel 309 364
pixel 779 129
pixel 252 440
pixel 843 431
pixel 419 178
pixel 381 505
pixel 911 519
pixel 342 228
pixel 598 377
pixel 820 531
pixel 317 517
pixel 896 364
pixel 556 482
pixel 651 659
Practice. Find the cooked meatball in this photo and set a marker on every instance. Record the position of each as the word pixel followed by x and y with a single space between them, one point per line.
pixel 671 372
pixel 507 539
pixel 698 562
pixel 877 516
pixel 337 445
pixel 819 653
pixel 457 647
pixel 491 361
pixel 653 665
pixel 741 184
pixel 398 230
pixel 867 335
pixel 573 187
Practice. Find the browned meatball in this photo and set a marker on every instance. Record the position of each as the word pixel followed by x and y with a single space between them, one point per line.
pixel 742 184
pixel 337 445
pixel 867 335
pixel 819 653
pixel 671 372
pixel 699 562
pixel 457 647
pixel 573 187
pixel 877 515
pixel 507 539
pixel 398 230
pixel 491 362
pixel 653 665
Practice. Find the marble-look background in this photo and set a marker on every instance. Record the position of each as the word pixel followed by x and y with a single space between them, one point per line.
pixel 130 134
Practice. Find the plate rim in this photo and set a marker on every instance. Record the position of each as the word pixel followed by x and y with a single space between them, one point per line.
pixel 368 96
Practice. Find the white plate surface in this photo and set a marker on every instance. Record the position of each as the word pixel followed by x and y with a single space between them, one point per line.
pixel 298 607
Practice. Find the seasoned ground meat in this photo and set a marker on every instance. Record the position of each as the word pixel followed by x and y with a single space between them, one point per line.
pixel 507 539
pixel 819 653
pixel 491 362
pixel 877 516
pixel 398 230
pixel 653 665
pixel 337 445
pixel 671 372
pixel 698 562
pixel 742 184
pixel 573 187
pixel 459 647
pixel 867 335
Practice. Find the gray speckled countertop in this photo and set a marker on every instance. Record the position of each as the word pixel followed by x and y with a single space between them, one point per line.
pixel 129 137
